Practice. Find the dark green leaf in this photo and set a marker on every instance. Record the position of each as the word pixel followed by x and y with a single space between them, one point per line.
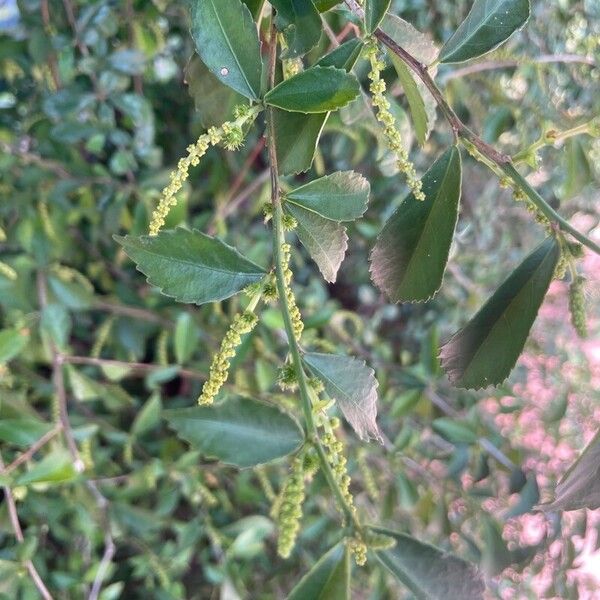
pixel 488 24
pixel 56 324
pixel 148 417
pixel 255 6
pixel 410 255
pixel 329 578
pixel 240 432
pixel 191 266
pixel 323 5
pixel 529 497
pixel 352 384
pixel 580 486
pixel 428 572
pixel 325 240
pixel 341 196
pixel 456 432
pixel 300 23
pixel 226 39
pixel 374 12
pixel 186 339
pixel 344 56
pixel 485 351
pixel 12 342
pixel 316 90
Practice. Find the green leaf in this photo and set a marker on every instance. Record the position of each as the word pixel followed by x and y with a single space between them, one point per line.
pixel 255 6
pixel 325 240
pixel 240 432
pixel 149 417
pixel 411 252
pixel 428 572
pixel 485 351
pixel 297 134
pixel 456 432
pixel 315 90
pixel 329 578
pixel 226 39
pixel 191 266
pixel 341 196
pixel 56 467
pixel 580 486
pixel 529 497
pixel 22 432
pixel 352 384
pixel 56 324
pixel 374 12
pixel 12 343
pixel 324 5
pixel 213 100
pixel 488 24
pixel 187 336
pixel 300 23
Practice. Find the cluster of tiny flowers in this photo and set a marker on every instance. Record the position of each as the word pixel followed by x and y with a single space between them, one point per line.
pixel 287 378
pixel 385 117
pixel 577 306
pixel 297 324
pixel 290 508
pixel 219 368
pixel 291 67
pixel 539 216
pixel 562 265
pixel 230 134
pixel 101 337
pixel 46 221
pixel 289 222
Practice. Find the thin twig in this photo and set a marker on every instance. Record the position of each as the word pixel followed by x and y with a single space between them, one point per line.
pixel 132 311
pixel 16 526
pixel 25 456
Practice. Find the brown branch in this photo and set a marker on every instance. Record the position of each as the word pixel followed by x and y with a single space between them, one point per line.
pixel 132 311
pixel 25 456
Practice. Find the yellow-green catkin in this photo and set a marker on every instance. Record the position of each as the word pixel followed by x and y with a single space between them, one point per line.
pixel 385 117
pixel 290 507
pixel 296 317
pixel 102 334
pixel 367 475
pixel 265 483
pixel 230 134
pixel 7 271
pixel 219 369
pixel 577 306
pixel 46 221
pixel 162 352
pixel 86 454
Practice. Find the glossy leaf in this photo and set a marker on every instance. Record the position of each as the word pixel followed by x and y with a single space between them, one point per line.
pixel 297 134
pixel 226 39
pixel 191 266
pixel 12 343
pixel 411 252
pixel 488 24
pixel 316 90
pixel 429 572
pixel 374 12
pixel 580 486
pixel 352 384
pixel 329 578
pixel 485 351
pixel 325 240
pixel 241 431
pixel 341 196
pixel 300 23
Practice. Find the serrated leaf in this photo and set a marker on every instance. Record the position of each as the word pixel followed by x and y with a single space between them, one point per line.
pixel 352 384
pixel 241 431
pixel 429 572
pixel 315 90
pixel 411 252
pixel 325 240
pixel 420 101
pixel 488 24
pixel 485 351
pixel 213 100
pixel 191 266
pixel 341 196
pixel 374 12
pixel 226 39
pixel 12 343
pixel 580 486
pixel 297 134
pixel 328 579
pixel 300 23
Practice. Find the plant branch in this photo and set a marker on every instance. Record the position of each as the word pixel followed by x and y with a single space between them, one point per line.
pixel 461 131
pixel 278 241
pixel 25 456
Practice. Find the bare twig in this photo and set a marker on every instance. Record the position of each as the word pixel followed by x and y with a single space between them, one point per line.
pixel 132 311
pixel 16 526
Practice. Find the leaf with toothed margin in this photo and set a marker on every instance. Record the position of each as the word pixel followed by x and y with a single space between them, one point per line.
pixel 352 384
pixel 191 266
pixel 297 134
pixel 325 240
pixel 485 351
pixel 341 196
pixel 428 572
pixel 411 252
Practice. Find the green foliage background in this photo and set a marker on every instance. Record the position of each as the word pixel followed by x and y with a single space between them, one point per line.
pixel 94 113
